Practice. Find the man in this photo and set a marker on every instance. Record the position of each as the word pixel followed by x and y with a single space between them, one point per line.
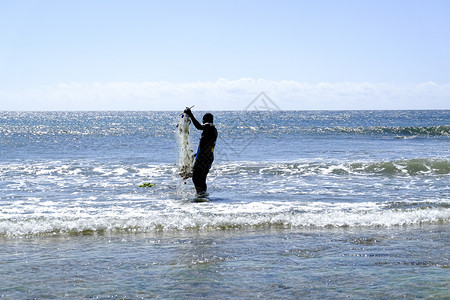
pixel 205 155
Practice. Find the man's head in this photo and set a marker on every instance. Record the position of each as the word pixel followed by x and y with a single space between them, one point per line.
pixel 208 118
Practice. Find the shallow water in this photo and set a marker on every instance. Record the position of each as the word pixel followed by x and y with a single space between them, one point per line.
pixel 302 204
pixel 315 263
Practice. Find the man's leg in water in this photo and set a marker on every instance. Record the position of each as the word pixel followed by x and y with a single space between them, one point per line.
pixel 199 179
pixel 201 170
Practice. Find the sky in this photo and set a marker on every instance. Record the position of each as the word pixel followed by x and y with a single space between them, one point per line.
pixel 220 55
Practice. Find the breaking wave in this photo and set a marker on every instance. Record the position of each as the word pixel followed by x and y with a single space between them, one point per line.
pixel 410 167
pixel 80 170
pixel 443 130
pixel 85 197
pixel 222 216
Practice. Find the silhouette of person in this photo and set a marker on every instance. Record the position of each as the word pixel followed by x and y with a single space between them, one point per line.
pixel 205 152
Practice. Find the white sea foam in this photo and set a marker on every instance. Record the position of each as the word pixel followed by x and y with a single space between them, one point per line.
pixel 83 196
pixel 141 215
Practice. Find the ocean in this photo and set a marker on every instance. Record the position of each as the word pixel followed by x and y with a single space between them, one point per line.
pixel 302 204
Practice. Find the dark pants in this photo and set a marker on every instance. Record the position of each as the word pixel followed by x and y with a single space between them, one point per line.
pixel 201 170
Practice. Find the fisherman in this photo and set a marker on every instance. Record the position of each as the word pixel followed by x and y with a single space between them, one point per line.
pixel 205 156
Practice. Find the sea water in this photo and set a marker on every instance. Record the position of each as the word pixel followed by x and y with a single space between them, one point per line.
pixel 303 204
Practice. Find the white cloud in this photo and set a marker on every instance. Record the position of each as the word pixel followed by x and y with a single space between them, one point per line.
pixel 226 94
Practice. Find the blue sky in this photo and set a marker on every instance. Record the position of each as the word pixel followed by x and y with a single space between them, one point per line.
pixel 219 55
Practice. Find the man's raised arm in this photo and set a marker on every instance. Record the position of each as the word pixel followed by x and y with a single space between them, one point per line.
pixel 194 120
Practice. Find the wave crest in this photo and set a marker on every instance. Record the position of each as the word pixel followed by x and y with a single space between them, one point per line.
pixel 228 216
pixel 410 167
pixel 443 130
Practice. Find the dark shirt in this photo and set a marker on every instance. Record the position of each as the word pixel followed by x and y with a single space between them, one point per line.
pixel 207 140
